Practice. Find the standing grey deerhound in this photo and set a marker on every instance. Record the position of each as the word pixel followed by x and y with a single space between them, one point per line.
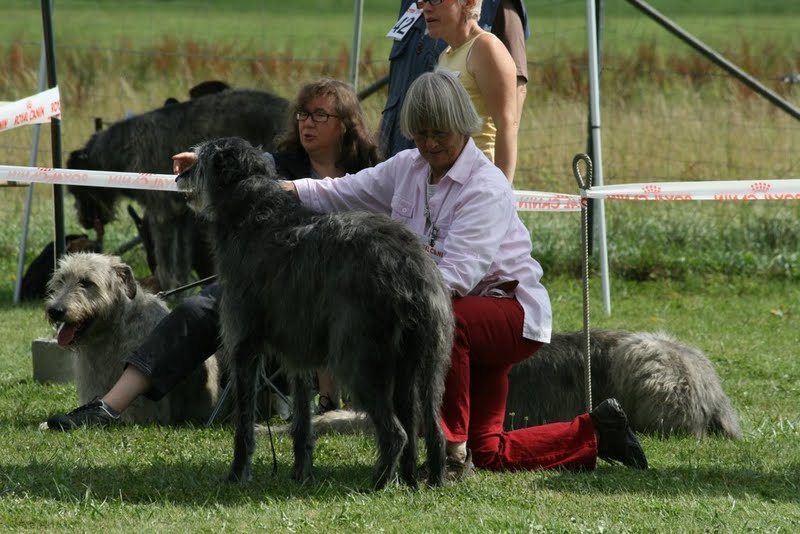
pixel 351 291
pixel 102 315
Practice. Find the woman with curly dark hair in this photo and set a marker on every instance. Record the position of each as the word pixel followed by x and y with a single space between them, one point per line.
pixel 326 133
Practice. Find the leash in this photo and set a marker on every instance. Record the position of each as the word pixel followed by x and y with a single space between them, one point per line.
pixel 163 294
pixel 584 184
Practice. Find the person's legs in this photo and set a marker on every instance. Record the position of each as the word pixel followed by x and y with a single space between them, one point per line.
pixel 329 398
pixel 183 340
pixel 131 383
pixel 488 334
pixel 488 341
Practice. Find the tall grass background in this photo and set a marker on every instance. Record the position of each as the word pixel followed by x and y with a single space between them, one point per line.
pixel 721 275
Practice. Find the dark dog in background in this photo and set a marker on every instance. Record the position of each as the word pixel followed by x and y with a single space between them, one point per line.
pixel 353 292
pixel 146 142
pixel 666 387
pixel 38 273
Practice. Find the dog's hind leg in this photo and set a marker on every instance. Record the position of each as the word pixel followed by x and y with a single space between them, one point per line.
pixel 302 431
pixel 244 361
pixel 406 406
pixel 374 389
pixel 392 439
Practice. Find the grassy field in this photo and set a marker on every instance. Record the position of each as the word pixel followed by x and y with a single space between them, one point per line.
pixel 170 479
pixel 721 276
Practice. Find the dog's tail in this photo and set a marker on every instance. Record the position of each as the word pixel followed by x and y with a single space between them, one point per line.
pixel 671 387
pixel 725 421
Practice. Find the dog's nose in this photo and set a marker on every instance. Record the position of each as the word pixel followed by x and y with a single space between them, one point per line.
pixel 56 313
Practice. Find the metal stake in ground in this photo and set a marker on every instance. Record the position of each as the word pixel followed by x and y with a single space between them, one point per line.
pixel 583 185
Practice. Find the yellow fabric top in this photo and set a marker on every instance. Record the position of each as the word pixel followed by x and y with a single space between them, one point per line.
pixel 455 61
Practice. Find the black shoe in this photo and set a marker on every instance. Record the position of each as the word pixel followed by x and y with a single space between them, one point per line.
pixel 326 404
pixel 95 413
pixel 616 442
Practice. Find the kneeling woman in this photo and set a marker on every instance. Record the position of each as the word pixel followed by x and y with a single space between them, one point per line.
pixel 464 211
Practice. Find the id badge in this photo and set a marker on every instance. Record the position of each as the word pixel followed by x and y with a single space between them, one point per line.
pixel 435 249
pixel 404 23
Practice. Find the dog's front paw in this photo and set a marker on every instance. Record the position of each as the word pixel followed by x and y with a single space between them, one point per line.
pixel 240 473
pixel 303 473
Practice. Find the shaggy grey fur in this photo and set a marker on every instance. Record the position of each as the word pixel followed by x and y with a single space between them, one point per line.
pixel 665 386
pixel 351 291
pixel 102 314
pixel 146 142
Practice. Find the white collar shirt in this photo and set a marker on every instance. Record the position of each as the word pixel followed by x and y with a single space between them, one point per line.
pixel 486 247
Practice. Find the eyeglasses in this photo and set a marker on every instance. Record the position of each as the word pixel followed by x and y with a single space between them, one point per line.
pixel 317 116
pixel 431 2
pixel 437 135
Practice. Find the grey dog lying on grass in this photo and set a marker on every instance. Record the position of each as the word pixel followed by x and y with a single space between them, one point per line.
pixel 665 387
pixel 350 291
pixel 102 314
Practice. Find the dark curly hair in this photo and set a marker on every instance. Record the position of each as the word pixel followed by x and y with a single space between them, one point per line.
pixel 359 149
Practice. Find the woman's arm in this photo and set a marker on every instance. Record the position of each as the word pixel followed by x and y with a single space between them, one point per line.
pixel 496 76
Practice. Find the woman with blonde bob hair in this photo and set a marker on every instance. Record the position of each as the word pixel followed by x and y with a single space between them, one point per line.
pixel 463 210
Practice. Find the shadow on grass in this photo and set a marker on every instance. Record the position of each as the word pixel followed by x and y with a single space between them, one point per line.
pixel 733 481
pixel 180 483
pixel 186 483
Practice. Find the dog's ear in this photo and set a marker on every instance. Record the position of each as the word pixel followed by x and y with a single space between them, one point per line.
pixel 226 166
pixel 125 274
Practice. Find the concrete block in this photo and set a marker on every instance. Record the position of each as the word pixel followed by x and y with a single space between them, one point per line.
pixel 51 362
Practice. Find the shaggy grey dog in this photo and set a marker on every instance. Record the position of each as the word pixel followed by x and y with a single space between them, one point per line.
pixel 353 292
pixel 102 314
pixel 145 143
pixel 665 386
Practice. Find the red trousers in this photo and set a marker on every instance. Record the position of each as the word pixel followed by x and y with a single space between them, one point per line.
pixel 488 341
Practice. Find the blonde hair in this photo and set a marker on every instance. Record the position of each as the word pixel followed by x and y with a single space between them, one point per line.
pixel 475 12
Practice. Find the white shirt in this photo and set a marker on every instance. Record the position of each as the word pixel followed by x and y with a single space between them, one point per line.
pixel 483 241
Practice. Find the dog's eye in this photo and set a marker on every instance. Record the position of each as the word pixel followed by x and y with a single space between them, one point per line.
pixel 85 283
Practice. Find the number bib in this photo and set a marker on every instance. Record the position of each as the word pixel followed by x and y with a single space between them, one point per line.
pixel 406 20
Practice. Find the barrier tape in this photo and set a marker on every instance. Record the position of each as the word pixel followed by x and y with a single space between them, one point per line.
pixel 122 180
pixel 526 200
pixel 539 201
pixel 34 109
pixel 781 189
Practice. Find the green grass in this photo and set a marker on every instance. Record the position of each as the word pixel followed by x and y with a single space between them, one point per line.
pixel 721 276
pixel 169 479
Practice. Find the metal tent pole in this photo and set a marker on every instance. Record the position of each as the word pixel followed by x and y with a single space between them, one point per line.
pixel 26 217
pixel 355 52
pixel 55 130
pixel 597 153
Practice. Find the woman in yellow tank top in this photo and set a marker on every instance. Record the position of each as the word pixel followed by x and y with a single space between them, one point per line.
pixel 487 71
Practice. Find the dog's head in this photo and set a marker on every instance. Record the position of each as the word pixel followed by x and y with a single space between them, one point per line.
pixel 84 290
pixel 220 165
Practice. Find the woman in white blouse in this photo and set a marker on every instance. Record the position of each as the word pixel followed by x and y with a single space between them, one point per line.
pixel 464 211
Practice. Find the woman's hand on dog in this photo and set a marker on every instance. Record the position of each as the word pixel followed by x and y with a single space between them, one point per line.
pixel 182 161
pixel 288 186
